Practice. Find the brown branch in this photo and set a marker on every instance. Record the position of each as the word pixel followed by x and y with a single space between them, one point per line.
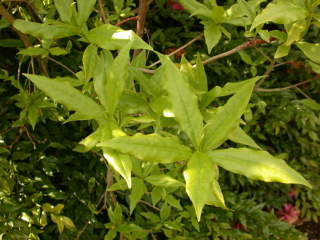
pixel 266 74
pixel 142 13
pixel 288 87
pixel 101 11
pixel 249 44
pixel 126 20
pixel 62 65
pixel 180 48
pixel 24 38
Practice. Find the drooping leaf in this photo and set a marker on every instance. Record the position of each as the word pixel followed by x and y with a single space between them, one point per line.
pixel 64 9
pixel 201 176
pixel 311 50
pixel 63 92
pixel 257 165
pixel 151 148
pixel 33 51
pixel 184 101
pixel 122 163
pixel 137 192
pixel 227 117
pixel 46 31
pixel 111 37
pixel 89 60
pixel 212 34
pixel 163 180
pixel 240 136
pixel 281 12
pixel 85 7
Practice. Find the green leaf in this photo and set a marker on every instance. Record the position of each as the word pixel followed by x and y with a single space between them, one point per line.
pixel 64 93
pixel 103 64
pixel 111 37
pixel 89 60
pixel 163 180
pixel 112 234
pixel 137 192
pixel 227 117
pixel 282 51
pixel 311 50
pixel 67 222
pixel 196 8
pixel 58 51
pixel 240 136
pixel 257 165
pixel 202 186
pixel 116 79
pixel 121 163
pixel 212 34
pixel 85 8
pixel 171 200
pixel 64 9
pixel 281 12
pixel 33 51
pixel 165 212
pixel 295 32
pixel 57 220
pixel 151 148
pixel 89 142
pixel 156 195
pixel 184 102
pixel 311 104
pixel 45 31
pixel 201 75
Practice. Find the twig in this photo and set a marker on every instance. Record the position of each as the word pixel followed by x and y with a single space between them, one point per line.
pixel 245 45
pixel 150 205
pixel 143 9
pixel 62 65
pixel 24 38
pixel 266 74
pixel 180 48
pixel 286 88
pixel 126 20
pixel 101 11
pixel 303 93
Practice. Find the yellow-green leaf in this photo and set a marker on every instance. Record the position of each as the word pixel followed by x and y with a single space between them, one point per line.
pixel 311 50
pixel 257 165
pixel 201 176
pixel 153 148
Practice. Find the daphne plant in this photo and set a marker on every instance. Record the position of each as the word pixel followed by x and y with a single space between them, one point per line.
pixel 167 118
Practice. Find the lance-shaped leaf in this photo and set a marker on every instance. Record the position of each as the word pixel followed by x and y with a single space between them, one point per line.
pixel 311 50
pixel 202 185
pixel 46 31
pixel 85 7
pixel 111 37
pixel 240 136
pixel 63 92
pixel 163 180
pixel 137 192
pixel 64 9
pixel 225 120
pixel 196 8
pixel 89 61
pixel 257 165
pixel 184 101
pixel 212 34
pixel 151 148
pixel 281 12
pixel 120 162
pixel 116 78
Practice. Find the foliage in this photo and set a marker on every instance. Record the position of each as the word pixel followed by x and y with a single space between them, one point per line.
pixel 122 149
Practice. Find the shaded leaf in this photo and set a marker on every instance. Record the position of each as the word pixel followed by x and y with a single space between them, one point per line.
pixel 137 192
pixel 311 50
pixel 212 34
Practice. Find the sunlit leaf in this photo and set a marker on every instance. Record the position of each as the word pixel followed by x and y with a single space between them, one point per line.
pixel 257 165
pixel 201 176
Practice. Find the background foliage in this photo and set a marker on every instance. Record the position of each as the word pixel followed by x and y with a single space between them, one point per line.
pixel 53 187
